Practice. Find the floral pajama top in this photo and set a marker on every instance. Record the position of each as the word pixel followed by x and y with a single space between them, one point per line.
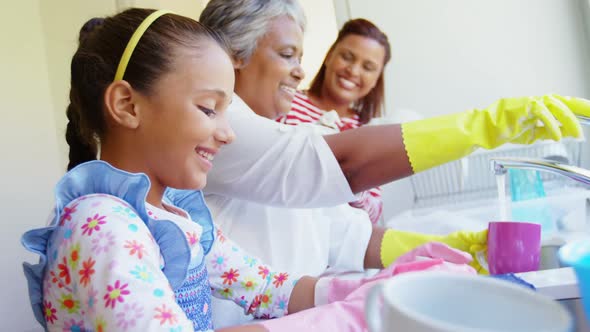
pixel 112 262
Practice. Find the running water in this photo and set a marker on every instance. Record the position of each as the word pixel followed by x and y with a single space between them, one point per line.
pixel 503 202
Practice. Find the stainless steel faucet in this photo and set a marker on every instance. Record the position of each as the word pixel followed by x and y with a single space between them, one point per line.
pixel 500 166
pixel 584 120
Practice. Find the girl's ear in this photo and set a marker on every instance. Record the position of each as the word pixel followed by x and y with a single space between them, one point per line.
pixel 120 104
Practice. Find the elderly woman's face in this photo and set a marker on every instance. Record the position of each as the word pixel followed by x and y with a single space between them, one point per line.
pixel 268 81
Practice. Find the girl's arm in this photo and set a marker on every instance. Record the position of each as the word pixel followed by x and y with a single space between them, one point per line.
pixel 236 276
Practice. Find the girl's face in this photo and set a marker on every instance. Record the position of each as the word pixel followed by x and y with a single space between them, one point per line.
pixel 267 83
pixel 353 68
pixel 184 122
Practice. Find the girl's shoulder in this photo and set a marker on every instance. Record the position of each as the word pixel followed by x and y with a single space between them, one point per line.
pixel 99 211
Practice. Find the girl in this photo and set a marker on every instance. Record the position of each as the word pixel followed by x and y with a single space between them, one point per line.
pixel 124 251
pixel 349 82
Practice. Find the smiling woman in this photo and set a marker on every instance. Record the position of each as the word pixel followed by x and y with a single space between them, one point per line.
pixel 275 66
pixel 349 82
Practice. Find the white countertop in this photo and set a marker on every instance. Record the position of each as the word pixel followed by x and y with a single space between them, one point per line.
pixel 558 284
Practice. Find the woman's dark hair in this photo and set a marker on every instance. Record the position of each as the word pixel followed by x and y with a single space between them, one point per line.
pixel 372 104
pixel 93 67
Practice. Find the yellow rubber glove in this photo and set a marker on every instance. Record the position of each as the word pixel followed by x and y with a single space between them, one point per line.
pixel 397 243
pixel 435 141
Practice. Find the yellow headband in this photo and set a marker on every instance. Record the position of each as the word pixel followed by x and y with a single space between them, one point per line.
pixel 134 40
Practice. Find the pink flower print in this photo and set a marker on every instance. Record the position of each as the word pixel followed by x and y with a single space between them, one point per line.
pixel 67 214
pixel 103 242
pixel 115 294
pixel 112 265
pixel 72 325
pixel 87 271
pixel 219 261
pixel 64 271
pixel 229 277
pixel 49 312
pixel 68 303
pixel 220 236
pixel 263 271
pixel 165 315
pixel 192 238
pixel 93 224
pixel 136 248
pixel 151 214
pixel 128 317
pixel 280 279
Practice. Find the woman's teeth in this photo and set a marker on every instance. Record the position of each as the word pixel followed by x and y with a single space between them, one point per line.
pixel 346 83
pixel 288 89
pixel 206 155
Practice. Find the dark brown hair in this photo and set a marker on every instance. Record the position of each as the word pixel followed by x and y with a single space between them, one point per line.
pixel 102 42
pixel 372 104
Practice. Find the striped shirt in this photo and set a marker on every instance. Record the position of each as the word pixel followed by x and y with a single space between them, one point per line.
pixel 304 111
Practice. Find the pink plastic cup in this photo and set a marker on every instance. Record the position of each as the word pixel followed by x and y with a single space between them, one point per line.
pixel 513 247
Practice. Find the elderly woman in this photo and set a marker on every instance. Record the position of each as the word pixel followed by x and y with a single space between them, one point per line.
pixel 342 163
pixel 270 164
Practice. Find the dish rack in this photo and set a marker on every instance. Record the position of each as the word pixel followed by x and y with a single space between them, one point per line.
pixel 471 178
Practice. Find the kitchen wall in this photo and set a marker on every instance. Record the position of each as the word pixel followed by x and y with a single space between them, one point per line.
pixel 453 55
pixel 61 21
pixel 30 164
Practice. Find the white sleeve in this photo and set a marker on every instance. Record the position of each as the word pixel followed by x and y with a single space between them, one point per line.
pixel 276 164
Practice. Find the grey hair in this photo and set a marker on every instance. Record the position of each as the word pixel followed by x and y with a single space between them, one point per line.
pixel 244 22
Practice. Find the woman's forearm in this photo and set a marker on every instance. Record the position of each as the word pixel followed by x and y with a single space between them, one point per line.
pixel 371 155
pixel 373 252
